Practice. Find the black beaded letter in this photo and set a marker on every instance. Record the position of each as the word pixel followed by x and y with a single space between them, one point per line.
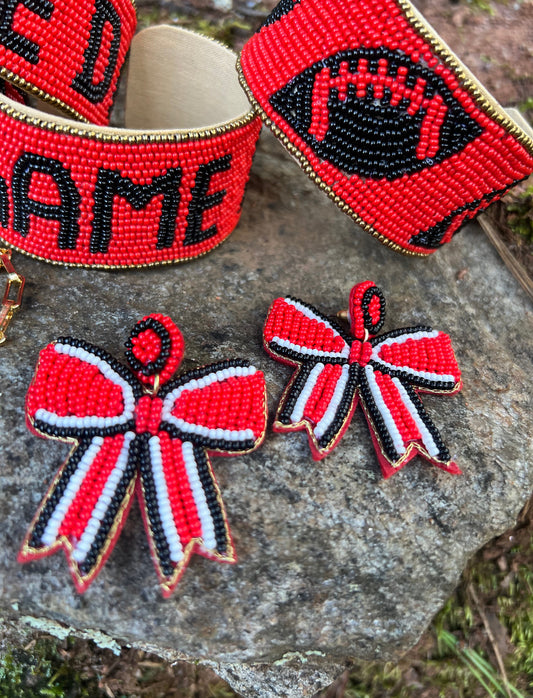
pixel 67 212
pixel 110 184
pixel 84 81
pixel 15 42
pixel 201 202
pixel 4 204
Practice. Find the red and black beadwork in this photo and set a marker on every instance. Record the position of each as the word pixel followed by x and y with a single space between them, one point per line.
pixel 337 369
pixel 84 197
pixel 136 430
pixel 382 115
pixel 67 52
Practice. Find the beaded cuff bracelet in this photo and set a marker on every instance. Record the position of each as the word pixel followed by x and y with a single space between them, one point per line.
pixel 383 117
pixel 167 188
pixel 134 429
pixel 337 369
pixel 67 52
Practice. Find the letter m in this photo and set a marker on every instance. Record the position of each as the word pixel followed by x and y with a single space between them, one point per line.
pixel 111 184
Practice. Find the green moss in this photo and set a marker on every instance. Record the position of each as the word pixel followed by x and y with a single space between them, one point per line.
pixel 225 29
pixel 516 614
pixel 456 657
pixel 39 670
pixel 371 679
pixel 520 213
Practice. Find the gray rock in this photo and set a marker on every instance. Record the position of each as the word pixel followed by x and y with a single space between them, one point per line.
pixel 334 561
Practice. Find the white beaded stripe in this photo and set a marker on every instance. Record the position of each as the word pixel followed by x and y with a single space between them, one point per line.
pixel 299 349
pixel 305 393
pixel 56 519
pixel 384 410
pixel 209 379
pixel 163 501
pixel 427 438
pixel 441 377
pixel 92 421
pixel 236 435
pixel 329 415
pixel 206 520
pixel 104 500
pixel 313 316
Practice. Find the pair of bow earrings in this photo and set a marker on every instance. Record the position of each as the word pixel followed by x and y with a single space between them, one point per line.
pixel 136 429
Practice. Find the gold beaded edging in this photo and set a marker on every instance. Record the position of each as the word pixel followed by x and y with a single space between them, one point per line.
pixel 32 89
pixel 110 134
pixel 107 134
pixel 110 267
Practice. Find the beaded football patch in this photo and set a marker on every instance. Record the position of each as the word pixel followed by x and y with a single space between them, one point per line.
pixel 134 429
pixel 383 117
pixel 336 369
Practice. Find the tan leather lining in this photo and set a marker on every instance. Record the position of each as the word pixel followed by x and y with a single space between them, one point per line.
pixel 181 85
pixel 178 79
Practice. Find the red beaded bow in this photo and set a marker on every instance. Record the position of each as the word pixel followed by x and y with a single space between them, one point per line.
pixel 385 373
pixel 135 429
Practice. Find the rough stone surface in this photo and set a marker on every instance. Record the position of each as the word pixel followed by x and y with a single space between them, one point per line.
pixel 334 562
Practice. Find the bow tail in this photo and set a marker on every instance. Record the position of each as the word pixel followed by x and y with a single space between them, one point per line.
pixel 321 398
pixel 181 505
pixel 86 506
pixel 399 425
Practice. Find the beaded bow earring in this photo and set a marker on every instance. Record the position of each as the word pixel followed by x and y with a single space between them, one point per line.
pixel 337 368
pixel 135 429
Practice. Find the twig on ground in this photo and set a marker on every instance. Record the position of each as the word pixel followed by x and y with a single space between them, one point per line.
pixel 491 637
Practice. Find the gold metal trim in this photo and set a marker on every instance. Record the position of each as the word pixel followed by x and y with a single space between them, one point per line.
pixel 112 267
pixel 480 94
pixel 108 134
pixel 9 303
pixel 309 171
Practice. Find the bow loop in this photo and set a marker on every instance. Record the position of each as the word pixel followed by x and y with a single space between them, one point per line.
pixel 79 390
pixel 296 331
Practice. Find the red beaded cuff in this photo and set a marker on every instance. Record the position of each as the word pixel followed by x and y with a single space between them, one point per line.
pixel 383 117
pixel 166 189
pixel 67 52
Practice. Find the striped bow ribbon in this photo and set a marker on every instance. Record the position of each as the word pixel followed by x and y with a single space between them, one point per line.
pixel 138 430
pixel 337 369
